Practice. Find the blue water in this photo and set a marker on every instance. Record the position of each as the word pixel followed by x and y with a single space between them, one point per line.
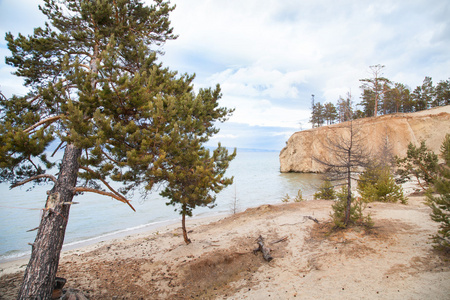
pixel 257 181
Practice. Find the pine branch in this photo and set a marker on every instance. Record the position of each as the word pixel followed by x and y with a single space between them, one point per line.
pixel 47 120
pixel 51 177
pixel 109 157
pixel 80 189
pixel 104 182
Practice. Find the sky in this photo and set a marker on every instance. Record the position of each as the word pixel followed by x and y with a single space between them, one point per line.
pixel 270 56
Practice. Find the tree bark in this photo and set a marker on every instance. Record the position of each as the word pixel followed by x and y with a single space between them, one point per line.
pixel 40 274
pixel 183 226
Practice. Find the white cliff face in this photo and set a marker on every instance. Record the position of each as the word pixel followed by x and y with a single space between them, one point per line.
pixel 400 129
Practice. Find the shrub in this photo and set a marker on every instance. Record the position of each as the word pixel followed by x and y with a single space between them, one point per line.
pixel 378 184
pixel 356 210
pixel 286 198
pixel 326 191
pixel 299 197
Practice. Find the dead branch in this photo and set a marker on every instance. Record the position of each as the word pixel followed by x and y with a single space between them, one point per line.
pixel 305 218
pixel 311 218
pixel 51 177
pixel 264 250
pixel 103 181
pixel 280 240
pixel 120 198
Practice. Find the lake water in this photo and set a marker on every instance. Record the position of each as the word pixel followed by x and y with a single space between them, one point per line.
pixel 257 181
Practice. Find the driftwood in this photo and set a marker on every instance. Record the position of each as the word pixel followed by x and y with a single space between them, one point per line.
pixel 312 218
pixel 264 250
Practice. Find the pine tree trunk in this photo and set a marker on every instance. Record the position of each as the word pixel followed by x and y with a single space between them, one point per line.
pixel 41 271
pixel 183 226
pixel 349 192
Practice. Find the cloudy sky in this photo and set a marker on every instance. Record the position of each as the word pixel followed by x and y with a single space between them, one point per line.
pixel 270 56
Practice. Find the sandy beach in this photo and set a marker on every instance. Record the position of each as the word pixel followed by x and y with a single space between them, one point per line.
pixel 394 260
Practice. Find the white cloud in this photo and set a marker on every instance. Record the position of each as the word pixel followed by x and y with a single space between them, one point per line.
pixel 269 56
pixel 259 82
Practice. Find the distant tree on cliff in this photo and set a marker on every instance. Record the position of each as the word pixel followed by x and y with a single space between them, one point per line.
pixel 330 113
pixel 344 108
pixel 348 155
pixel 97 89
pixel 442 91
pixel 317 116
pixel 398 99
pixel 423 96
pixel 374 89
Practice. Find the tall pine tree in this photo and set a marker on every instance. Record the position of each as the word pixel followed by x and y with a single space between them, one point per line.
pixel 96 88
pixel 373 90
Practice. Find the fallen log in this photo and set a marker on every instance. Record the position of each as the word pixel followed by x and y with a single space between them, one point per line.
pixel 264 250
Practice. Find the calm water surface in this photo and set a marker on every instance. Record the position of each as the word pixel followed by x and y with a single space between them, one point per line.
pixel 257 181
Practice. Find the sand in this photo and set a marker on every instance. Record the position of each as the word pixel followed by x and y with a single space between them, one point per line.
pixel 394 260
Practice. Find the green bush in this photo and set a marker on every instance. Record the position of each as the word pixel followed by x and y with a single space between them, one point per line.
pixel 286 198
pixel 356 210
pixel 326 191
pixel 298 198
pixel 378 184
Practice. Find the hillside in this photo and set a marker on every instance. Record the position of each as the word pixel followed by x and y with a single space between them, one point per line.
pixel 400 129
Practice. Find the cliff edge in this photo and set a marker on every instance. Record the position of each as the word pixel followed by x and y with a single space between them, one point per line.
pixel 400 129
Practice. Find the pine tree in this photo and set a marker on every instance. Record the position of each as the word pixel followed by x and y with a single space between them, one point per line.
pixel 317 116
pixel 398 99
pixel 347 155
pixel 419 162
pixel 442 91
pixel 330 113
pixel 423 96
pixel 96 88
pixel 374 89
pixel 434 178
pixel 344 107
pixel 192 175
pixel 440 203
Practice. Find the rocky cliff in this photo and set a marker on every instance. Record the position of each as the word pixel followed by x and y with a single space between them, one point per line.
pixel 399 129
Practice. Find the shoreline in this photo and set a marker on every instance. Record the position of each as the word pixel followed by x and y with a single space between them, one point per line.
pixel 144 228
pixel 408 188
pixel 13 265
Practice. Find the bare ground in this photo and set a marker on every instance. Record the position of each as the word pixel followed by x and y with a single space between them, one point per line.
pixel 394 260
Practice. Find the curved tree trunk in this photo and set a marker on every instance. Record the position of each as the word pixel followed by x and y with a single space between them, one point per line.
pixel 183 226
pixel 41 270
